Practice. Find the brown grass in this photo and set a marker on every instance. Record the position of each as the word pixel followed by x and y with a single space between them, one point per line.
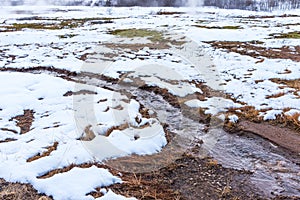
pixel 80 92
pixel 44 154
pixel 71 166
pixel 169 13
pixel 120 128
pixel 18 191
pixel 8 129
pixel 295 83
pixel 89 134
pixel 24 121
pixel 145 186
pixel 8 140
pixel 212 163
pixel 255 51
pixel 292 120
pixel 279 94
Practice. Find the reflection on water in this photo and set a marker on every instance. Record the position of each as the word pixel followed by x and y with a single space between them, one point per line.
pixel 272 169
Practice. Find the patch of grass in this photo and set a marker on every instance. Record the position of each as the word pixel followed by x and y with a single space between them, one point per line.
pixel 294 119
pixel 59 24
pixel 295 83
pixel 67 36
pixel 169 13
pixel 18 27
pixel 154 36
pixel 44 154
pixel 96 18
pixel 256 42
pixel 289 35
pixel 43 26
pixel 201 21
pixel 10 191
pixel 219 27
pixel 280 94
pixel 231 27
pixel 212 163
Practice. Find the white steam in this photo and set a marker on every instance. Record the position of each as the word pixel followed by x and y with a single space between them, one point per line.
pixel 195 3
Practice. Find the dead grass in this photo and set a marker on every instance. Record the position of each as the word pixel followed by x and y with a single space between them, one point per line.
pixel 120 128
pixel 252 49
pixel 291 121
pixel 71 166
pixel 294 83
pixel 67 36
pixel 289 35
pixel 80 92
pixel 294 119
pixel 136 47
pixel 212 163
pixel 269 16
pixel 158 39
pixel 154 36
pixel 8 129
pixel 219 27
pixel 88 134
pixel 54 24
pixel 279 94
pixel 18 191
pixel 24 121
pixel 44 154
pixel 169 13
pixel 249 113
pixel 8 140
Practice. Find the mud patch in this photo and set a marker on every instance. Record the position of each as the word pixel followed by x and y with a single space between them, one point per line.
pixel 187 178
pixel 281 136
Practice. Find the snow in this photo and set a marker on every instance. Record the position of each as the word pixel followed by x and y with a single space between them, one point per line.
pixel 213 105
pixel 111 195
pixel 233 118
pixel 54 122
pixel 64 119
pixel 67 183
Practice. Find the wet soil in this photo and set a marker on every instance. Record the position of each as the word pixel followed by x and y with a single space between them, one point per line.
pixel 189 178
pixel 283 137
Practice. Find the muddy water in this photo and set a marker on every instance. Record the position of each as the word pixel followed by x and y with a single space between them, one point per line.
pixel 274 170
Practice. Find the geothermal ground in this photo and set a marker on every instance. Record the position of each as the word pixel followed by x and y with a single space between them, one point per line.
pixel 149 103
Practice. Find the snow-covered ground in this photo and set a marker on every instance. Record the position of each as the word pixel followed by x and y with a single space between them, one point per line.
pixel 79 46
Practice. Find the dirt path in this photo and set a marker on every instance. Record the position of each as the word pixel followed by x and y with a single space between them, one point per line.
pixel 283 137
